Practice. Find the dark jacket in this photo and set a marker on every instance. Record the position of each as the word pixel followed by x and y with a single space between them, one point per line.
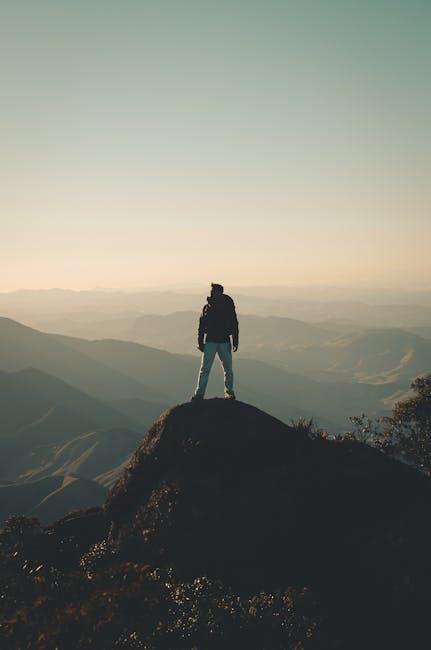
pixel 218 320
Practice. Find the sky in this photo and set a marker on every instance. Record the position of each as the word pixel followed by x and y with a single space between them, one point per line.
pixel 150 143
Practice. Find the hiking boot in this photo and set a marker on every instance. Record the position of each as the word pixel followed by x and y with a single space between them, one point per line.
pixel 229 395
pixel 196 398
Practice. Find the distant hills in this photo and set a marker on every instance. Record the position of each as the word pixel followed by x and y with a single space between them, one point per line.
pixel 61 447
pixel 50 497
pixel 374 357
pixel 177 332
pixel 79 362
pixel 30 394
pixel 361 307
pixel 424 331
pixel 334 352
pixel 119 370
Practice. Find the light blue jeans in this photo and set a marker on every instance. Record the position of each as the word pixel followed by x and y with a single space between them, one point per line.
pixel 224 351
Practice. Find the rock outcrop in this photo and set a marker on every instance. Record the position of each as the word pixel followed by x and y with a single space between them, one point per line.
pixel 221 488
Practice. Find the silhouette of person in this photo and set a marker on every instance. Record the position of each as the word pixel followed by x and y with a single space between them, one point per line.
pixel 217 324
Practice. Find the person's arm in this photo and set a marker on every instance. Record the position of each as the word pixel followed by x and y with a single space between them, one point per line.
pixel 235 328
pixel 202 330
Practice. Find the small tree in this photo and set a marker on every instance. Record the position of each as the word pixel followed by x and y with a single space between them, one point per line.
pixel 406 433
pixel 408 430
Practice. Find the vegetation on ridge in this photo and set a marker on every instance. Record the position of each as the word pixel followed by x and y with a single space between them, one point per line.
pixel 406 433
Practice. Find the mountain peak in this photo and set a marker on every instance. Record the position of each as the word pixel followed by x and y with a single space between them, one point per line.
pixel 221 488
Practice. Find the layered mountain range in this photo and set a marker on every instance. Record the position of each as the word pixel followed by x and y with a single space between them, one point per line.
pixel 76 407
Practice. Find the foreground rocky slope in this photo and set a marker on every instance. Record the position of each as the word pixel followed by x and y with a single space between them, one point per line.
pixel 230 529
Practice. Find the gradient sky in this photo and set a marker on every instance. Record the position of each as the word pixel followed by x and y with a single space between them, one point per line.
pixel 245 142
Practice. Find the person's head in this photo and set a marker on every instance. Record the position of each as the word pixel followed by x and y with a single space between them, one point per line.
pixel 216 289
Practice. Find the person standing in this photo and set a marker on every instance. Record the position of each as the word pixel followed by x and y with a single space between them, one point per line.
pixel 217 324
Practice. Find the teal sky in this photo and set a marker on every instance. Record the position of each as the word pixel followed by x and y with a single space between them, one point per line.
pixel 250 142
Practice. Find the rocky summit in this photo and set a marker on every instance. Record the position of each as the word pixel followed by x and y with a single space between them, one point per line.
pixel 222 488
pixel 221 493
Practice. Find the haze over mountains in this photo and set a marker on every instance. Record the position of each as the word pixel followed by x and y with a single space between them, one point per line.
pixel 358 307
pixel 76 398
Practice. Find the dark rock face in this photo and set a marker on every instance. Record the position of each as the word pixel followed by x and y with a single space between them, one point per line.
pixel 220 488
